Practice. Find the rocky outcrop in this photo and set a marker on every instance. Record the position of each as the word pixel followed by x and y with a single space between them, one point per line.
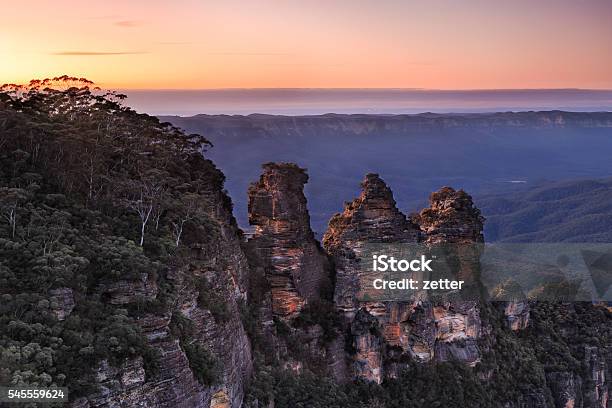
pixel 509 297
pixel 517 314
pixel 125 291
pixel 294 264
pixel 451 218
pixel 453 225
pixel 296 273
pixel 371 218
pixel 418 330
pixel 62 302
pixel 598 374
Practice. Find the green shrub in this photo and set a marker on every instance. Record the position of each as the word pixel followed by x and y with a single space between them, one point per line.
pixel 212 300
pixel 205 367
pixel 322 313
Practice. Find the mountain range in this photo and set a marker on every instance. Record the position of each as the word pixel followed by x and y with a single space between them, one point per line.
pixel 483 153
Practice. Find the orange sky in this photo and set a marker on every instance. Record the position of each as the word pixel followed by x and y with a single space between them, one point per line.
pixel 329 44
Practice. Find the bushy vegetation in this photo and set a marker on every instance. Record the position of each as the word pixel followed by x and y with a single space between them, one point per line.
pixel 420 386
pixel 509 363
pixel 560 334
pixel 205 367
pixel 91 193
pixel 322 313
pixel 288 390
pixel 211 300
pixel 513 365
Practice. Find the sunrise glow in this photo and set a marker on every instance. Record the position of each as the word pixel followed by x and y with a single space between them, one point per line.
pixel 266 44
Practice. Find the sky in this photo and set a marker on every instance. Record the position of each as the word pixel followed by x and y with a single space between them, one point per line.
pixel 202 44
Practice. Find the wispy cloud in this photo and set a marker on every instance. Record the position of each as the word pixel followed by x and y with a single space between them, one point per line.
pixel 104 17
pixel 297 64
pixel 128 23
pixel 175 42
pixel 96 53
pixel 251 53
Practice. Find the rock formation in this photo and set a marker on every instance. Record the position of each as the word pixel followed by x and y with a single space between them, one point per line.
pixel 296 270
pixel 294 264
pixel 416 330
pixel 451 218
pixel 509 297
pixel 62 302
pixel 454 225
pixel 376 339
pixel 371 218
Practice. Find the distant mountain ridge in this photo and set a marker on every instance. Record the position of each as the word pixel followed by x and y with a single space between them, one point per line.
pixel 483 153
pixel 266 123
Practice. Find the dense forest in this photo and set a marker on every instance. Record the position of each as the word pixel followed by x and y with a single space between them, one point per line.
pixel 94 194
pixel 562 211
pixel 91 193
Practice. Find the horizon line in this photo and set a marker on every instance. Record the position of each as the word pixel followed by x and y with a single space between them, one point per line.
pixel 446 113
pixel 364 89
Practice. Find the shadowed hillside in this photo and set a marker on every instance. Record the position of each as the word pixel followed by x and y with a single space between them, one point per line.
pixel 569 211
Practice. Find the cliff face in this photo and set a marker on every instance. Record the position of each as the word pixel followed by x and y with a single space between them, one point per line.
pixel 516 311
pixel 203 293
pixel 235 125
pixel 294 264
pixel 517 314
pixel 297 272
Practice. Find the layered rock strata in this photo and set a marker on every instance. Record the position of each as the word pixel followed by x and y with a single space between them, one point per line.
pixel 295 266
pixel 296 271
pixel 510 298
pixel 453 225
pixel 418 330
pixel 371 218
